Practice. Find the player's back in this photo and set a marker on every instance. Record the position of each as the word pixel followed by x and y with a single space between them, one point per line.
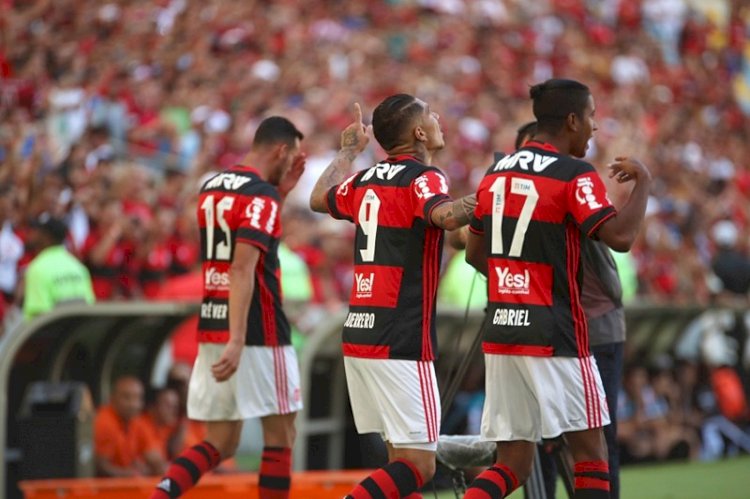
pixel 534 207
pixel 238 205
pixel 397 258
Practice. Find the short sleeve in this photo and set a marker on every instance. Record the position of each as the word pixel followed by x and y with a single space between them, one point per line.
pixel 588 201
pixel 258 219
pixel 475 223
pixel 340 199
pixel 428 191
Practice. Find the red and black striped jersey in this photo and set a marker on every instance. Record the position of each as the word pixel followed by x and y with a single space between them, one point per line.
pixel 397 256
pixel 238 206
pixel 534 207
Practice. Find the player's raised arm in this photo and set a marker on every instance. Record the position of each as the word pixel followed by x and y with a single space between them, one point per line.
pixel 620 231
pixel 354 139
pixel 454 214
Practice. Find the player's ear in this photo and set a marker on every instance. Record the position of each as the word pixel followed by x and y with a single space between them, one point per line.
pixel 572 122
pixel 280 150
pixel 420 134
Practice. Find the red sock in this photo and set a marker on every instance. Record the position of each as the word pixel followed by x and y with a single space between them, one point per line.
pixel 592 480
pixel 186 470
pixel 275 473
pixel 399 478
pixel 493 483
pixel 415 495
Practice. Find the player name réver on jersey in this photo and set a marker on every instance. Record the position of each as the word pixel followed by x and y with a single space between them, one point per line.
pixel 214 310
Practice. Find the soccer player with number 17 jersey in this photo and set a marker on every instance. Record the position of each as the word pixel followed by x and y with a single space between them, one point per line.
pixel 533 210
pixel 400 207
pixel 246 366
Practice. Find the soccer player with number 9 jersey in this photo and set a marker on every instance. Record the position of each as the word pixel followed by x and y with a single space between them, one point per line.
pixel 534 207
pixel 400 207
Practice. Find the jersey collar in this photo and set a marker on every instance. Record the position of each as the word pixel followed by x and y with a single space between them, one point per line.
pixel 246 168
pixel 402 157
pixel 542 145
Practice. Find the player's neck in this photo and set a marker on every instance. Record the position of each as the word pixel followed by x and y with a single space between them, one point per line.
pixel 419 153
pixel 557 141
pixel 257 161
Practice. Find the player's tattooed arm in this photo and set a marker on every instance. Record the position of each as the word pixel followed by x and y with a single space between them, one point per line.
pixel 354 139
pixel 455 214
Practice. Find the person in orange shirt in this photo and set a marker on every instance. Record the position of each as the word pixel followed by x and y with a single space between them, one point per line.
pixel 121 447
pixel 160 422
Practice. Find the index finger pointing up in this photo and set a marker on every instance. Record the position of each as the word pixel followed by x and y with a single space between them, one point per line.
pixel 357 113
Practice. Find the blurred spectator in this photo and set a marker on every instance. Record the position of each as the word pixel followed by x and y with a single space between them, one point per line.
pixel 160 422
pixel 121 447
pixel 730 265
pixel 54 277
pixel 649 428
pixel 122 103
pixel 11 249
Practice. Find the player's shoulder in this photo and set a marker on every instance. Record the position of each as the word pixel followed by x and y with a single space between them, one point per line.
pixel 395 171
pixel 240 180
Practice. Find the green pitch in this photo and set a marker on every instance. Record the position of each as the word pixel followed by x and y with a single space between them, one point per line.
pixel 727 479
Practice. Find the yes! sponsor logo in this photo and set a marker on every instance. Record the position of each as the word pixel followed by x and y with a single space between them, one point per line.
pixel 364 284
pixel 585 193
pixel 508 282
pixel 214 280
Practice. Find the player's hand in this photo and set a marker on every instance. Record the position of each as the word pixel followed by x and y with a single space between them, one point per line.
pixel 625 169
pixel 227 364
pixel 355 137
pixel 292 174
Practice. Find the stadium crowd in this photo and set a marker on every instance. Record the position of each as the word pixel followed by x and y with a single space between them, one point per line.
pixel 111 113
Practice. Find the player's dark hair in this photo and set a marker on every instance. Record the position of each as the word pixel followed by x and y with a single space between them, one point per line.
pixel 525 132
pixel 393 119
pixel 276 129
pixel 555 99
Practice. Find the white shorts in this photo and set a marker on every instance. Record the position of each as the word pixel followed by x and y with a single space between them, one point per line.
pixel 397 398
pixel 530 398
pixel 266 383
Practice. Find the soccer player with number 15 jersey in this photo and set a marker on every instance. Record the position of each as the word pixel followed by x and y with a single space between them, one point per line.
pixel 246 366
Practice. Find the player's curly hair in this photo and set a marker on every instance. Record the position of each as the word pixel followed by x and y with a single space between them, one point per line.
pixel 555 99
pixel 394 118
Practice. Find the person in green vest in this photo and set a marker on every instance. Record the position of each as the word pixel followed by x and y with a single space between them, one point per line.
pixel 54 276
